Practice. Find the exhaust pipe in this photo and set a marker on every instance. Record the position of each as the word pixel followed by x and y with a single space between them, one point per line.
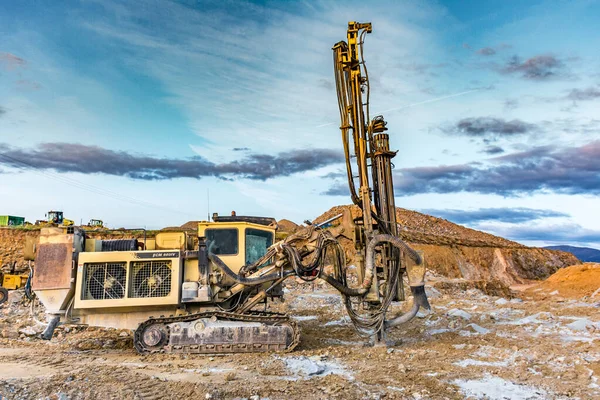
pixel 52 324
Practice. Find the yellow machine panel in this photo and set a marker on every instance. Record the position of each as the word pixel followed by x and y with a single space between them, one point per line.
pixel 170 240
pixel 237 243
pixel 12 282
pixel 125 279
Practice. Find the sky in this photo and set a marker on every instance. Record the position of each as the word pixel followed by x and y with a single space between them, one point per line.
pixel 153 113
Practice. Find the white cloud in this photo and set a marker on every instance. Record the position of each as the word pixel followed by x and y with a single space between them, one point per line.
pixel 257 80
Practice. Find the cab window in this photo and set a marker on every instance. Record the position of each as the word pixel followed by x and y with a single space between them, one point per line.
pixel 222 241
pixel 257 243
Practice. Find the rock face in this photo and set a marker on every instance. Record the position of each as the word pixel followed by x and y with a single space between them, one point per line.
pixel 455 251
pixel 12 242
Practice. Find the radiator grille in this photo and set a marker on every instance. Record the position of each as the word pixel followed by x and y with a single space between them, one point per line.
pixel 150 279
pixel 103 281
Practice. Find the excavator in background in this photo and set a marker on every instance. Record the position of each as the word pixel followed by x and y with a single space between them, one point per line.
pixel 55 218
pixel 95 224
pixel 204 292
pixel 14 281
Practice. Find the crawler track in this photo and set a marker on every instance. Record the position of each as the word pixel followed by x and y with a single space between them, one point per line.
pixel 226 345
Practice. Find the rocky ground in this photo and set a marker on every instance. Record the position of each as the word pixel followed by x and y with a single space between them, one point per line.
pixel 531 344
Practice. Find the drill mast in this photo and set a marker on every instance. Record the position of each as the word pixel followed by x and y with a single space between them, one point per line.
pixel 370 144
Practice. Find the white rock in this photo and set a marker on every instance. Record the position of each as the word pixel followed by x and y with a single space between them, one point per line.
pixel 15 296
pixel 28 331
pixel 456 312
pixel 479 329
pixel 432 293
pixel 501 302
pixel 580 325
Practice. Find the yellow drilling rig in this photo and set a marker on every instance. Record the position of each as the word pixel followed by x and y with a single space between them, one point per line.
pixel 198 293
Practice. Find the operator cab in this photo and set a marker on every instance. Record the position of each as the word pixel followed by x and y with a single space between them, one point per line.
pixel 55 217
pixel 238 241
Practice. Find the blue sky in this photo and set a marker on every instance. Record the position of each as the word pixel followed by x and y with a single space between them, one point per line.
pixel 133 111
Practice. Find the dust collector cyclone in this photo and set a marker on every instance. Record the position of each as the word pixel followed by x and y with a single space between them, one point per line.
pixel 151 279
pixel 105 281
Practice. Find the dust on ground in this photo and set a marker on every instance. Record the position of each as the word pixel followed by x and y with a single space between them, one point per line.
pixel 471 345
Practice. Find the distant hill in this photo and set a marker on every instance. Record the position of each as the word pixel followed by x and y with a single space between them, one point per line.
pixel 585 254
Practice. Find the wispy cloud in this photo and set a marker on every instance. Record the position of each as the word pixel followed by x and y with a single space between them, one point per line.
pixel 486 51
pixel 570 170
pixel 493 150
pixel 563 233
pixel 505 215
pixel 537 68
pixel 421 68
pixel 66 157
pixel 590 93
pixel 489 128
pixel 11 62
pixel 27 84
pixel 511 104
pixel 232 74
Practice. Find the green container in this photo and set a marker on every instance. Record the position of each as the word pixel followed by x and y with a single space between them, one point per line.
pixel 10 220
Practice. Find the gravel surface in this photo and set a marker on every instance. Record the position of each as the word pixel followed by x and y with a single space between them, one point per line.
pixel 470 345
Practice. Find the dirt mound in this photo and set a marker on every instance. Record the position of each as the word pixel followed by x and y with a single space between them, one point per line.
pixel 285 225
pixel 426 229
pixel 576 281
pixel 171 228
pixel 455 251
pixel 190 225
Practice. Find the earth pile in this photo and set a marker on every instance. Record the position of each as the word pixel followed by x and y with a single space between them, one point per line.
pixel 455 251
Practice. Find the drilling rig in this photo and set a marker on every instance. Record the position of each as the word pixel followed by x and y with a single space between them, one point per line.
pixel 200 292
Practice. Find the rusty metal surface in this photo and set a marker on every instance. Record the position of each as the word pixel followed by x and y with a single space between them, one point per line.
pixel 30 247
pixel 53 266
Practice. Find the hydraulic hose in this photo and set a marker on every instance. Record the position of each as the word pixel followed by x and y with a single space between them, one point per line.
pixel 419 297
pixel 342 288
pixel 243 280
pixel 419 300
pixel 394 241
pixel 403 318
pixel 370 265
